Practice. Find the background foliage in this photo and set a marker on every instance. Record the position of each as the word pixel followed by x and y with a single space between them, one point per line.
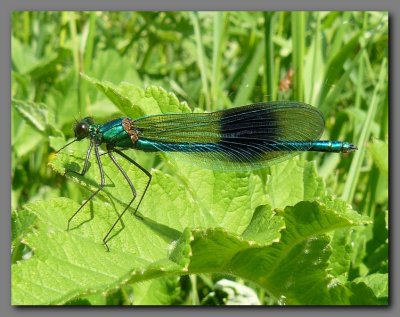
pixel 312 230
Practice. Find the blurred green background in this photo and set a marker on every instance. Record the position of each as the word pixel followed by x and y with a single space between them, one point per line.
pixel 336 61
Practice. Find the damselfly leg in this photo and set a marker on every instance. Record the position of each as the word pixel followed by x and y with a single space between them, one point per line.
pixel 132 187
pixel 84 170
pixel 110 151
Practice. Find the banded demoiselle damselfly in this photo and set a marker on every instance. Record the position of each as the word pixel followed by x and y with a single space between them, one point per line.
pixel 238 139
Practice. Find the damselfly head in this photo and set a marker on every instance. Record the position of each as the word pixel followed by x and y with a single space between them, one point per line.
pixel 81 131
pixel 81 128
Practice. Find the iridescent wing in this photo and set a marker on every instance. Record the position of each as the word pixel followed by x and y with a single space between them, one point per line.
pixel 243 138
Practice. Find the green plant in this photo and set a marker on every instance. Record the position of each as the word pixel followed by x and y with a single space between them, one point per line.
pixel 283 231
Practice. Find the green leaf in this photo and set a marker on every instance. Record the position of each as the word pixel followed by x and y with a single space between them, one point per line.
pixel 378 283
pixel 23 56
pixel 136 102
pixel 67 265
pixel 189 214
pixel 121 69
pixel 361 294
pixel 193 222
pixel 160 291
pixel 19 145
pixel 21 223
pixel 342 250
pixel 38 116
pixel 265 226
pixel 283 268
pixel 50 64
pixel 286 268
pixel 293 181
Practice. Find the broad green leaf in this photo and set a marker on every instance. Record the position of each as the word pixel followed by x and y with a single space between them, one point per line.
pixel 135 102
pixel 67 265
pixel 112 92
pixel 293 181
pixel 197 197
pixel 265 226
pixel 342 247
pixel 285 268
pixel 193 221
pixel 187 213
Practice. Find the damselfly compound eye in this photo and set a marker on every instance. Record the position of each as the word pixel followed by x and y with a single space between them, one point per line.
pixel 81 129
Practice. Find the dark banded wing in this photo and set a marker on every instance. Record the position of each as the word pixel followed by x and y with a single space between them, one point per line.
pixel 243 138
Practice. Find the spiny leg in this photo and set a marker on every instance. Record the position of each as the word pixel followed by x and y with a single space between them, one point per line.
pixel 85 164
pixel 143 170
pixel 134 194
pixel 102 180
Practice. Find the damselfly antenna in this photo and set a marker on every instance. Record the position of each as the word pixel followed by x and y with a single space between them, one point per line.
pixel 66 145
